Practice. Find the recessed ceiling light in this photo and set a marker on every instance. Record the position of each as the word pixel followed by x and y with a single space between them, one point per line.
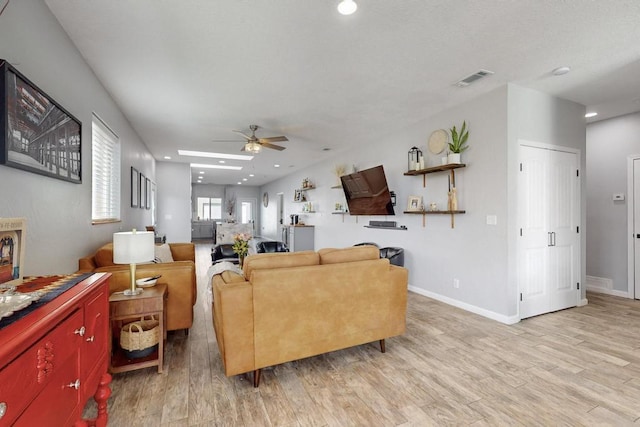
pixel 167 157
pixel 201 172
pixel 276 166
pixel 239 183
pixel 214 155
pixel 251 175
pixel 222 161
pixel 244 179
pixel 202 165
pixel 592 114
pixel 347 7
pixel 560 71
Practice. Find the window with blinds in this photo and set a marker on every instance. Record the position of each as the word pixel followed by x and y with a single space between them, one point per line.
pixel 105 173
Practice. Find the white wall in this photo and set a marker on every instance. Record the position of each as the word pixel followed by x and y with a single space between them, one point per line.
pixel 58 213
pixel 480 256
pixel 174 201
pixel 472 252
pixel 609 142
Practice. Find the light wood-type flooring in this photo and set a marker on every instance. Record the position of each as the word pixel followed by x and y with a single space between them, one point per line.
pixel 574 367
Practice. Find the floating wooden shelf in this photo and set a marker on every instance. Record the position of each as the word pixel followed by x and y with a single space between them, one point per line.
pixel 434 169
pixel 337 187
pixel 423 213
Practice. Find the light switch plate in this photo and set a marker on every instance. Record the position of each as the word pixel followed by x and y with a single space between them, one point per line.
pixel 492 220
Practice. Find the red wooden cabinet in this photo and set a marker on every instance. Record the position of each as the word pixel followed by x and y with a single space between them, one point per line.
pixel 54 359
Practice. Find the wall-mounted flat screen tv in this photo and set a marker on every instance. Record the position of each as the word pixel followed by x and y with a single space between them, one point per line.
pixel 367 192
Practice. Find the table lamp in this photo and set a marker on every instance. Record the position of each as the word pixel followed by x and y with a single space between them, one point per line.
pixel 131 247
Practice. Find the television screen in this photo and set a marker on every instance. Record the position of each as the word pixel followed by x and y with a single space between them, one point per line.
pixel 367 192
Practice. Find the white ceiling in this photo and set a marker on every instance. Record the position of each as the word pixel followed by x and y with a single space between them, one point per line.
pixel 187 72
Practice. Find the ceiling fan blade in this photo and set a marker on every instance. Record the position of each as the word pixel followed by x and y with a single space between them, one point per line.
pixel 273 139
pixel 227 140
pixel 242 149
pixel 243 134
pixel 275 147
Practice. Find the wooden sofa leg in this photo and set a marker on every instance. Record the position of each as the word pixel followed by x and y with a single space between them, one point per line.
pixel 256 377
pixel 382 348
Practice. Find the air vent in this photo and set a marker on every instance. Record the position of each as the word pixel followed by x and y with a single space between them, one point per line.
pixel 473 77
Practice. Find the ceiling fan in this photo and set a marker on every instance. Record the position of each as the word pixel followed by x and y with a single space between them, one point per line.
pixel 255 144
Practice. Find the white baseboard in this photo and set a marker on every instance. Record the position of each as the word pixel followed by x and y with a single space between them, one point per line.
pixel 508 320
pixel 603 285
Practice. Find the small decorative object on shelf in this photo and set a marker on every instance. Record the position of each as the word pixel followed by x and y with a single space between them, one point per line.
pixel 457 144
pixel 306 184
pixel 338 171
pixel 415 159
pixel 415 204
pixel 433 206
pixel 393 197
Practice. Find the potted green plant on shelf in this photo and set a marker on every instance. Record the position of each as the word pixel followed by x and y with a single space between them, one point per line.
pixel 458 142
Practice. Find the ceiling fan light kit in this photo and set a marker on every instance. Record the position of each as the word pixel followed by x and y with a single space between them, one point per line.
pixel 254 144
pixel 252 147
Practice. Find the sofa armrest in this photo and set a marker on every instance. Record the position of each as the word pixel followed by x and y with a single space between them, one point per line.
pixel 180 277
pixel 398 300
pixel 86 264
pixel 183 251
pixel 233 324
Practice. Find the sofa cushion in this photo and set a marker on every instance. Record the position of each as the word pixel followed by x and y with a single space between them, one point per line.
pixel 279 260
pixel 104 255
pixel 163 253
pixel 350 254
pixel 232 277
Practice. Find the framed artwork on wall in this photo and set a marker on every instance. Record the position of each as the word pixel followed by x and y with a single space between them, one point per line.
pixel 36 133
pixel 143 192
pixel 135 188
pixel 12 238
pixel 147 192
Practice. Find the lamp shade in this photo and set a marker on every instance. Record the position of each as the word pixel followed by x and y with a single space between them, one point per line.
pixel 132 247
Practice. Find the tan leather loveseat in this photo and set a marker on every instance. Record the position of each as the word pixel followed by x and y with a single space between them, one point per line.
pixel 180 277
pixel 289 306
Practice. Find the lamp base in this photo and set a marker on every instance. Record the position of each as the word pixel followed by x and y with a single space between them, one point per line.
pixel 136 291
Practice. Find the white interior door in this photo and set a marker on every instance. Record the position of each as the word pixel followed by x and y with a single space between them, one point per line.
pixel 549 244
pixel 636 226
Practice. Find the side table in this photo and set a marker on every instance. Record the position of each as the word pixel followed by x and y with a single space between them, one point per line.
pixel 152 301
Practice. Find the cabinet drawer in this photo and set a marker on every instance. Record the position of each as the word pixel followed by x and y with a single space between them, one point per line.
pixel 25 377
pixel 145 305
pixel 59 398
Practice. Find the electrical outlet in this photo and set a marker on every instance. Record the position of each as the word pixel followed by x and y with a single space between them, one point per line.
pixel 456 283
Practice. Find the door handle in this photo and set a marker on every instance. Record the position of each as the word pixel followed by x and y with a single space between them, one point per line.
pixel 553 235
pixel 549 241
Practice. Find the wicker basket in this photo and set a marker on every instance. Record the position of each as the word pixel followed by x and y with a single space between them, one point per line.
pixel 139 338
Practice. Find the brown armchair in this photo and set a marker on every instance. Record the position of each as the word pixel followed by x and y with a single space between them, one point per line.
pixel 180 277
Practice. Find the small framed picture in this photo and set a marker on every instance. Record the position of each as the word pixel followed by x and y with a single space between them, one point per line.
pixel 414 203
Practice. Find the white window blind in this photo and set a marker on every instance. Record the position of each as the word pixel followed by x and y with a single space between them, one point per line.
pixel 105 173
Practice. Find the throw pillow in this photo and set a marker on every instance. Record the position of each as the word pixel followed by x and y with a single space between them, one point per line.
pixel 163 253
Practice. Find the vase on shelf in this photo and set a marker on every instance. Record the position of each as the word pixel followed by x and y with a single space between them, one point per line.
pixel 241 260
pixel 453 158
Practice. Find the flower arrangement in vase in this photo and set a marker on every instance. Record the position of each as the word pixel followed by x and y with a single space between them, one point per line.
pixel 241 245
